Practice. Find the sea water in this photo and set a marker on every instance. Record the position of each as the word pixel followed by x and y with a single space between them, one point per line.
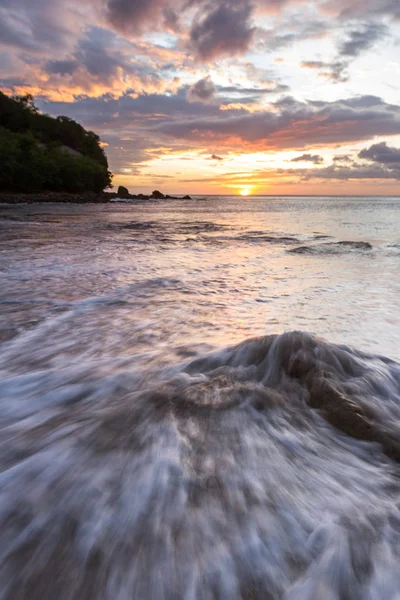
pixel 200 399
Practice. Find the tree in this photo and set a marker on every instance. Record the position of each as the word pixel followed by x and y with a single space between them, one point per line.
pixel 33 156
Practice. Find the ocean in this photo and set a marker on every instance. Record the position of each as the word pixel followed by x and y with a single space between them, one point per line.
pixel 200 399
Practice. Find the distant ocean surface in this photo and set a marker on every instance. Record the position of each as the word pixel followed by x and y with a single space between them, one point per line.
pixel 200 399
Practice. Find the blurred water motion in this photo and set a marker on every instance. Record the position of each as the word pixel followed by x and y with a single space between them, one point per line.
pixel 144 455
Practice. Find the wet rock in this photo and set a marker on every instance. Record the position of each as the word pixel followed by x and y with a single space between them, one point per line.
pixel 123 192
pixel 157 195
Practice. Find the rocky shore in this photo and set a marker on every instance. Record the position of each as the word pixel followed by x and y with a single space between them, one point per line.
pixel 81 198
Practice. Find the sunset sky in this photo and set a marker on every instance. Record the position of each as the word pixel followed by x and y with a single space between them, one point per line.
pixel 223 96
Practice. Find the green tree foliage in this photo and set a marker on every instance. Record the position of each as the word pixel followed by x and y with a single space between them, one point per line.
pixel 28 166
pixel 34 153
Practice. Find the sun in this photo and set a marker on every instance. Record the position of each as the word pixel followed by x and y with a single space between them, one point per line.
pixel 246 191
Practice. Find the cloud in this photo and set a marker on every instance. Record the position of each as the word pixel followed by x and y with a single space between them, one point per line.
pixel 313 158
pixel 231 94
pixel 36 24
pixel 292 30
pixel 135 114
pixel 353 172
pixel 133 16
pixel 101 62
pixel 292 124
pixel 383 163
pixel 362 38
pixel 202 91
pixel 222 28
pixel 382 153
pixel 339 158
pixel 61 67
pixel 334 71
pixel 227 96
pixel 362 8
pixel 287 124
pixel 95 53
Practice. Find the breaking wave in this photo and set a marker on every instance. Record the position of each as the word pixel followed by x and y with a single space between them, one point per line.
pixel 265 470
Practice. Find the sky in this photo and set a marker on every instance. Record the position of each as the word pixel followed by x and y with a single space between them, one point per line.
pixel 220 96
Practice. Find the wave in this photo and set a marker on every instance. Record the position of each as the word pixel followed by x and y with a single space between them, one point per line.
pixel 264 470
pixel 332 248
pixel 262 237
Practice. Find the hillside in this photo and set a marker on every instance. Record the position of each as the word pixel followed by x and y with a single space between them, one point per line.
pixel 41 153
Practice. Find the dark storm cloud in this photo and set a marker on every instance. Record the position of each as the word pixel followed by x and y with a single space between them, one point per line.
pixel 294 124
pixel 313 158
pixel 222 28
pixel 203 90
pixel 382 153
pixel 362 38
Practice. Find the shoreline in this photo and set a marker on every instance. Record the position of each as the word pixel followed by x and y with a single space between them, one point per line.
pixel 52 197
pixel 79 198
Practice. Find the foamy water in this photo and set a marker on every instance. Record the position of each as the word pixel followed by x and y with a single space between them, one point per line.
pixel 151 447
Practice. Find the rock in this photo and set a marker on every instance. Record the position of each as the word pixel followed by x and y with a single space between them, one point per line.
pixel 157 195
pixel 187 197
pixel 123 192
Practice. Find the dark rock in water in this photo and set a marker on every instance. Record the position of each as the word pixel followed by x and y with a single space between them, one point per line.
pixel 187 197
pixel 142 197
pixel 123 192
pixel 331 248
pixel 157 195
pixel 109 196
pixel 356 245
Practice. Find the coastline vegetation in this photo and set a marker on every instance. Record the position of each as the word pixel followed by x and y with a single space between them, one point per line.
pixel 41 153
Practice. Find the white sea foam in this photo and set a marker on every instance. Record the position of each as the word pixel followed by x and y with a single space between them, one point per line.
pixel 139 461
pixel 223 480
